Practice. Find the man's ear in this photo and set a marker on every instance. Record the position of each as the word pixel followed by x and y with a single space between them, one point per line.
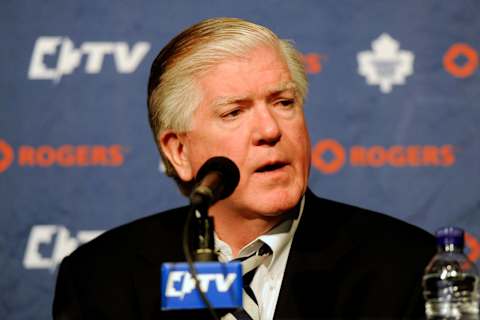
pixel 174 148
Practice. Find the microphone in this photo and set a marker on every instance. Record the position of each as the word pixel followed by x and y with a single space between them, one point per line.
pixel 202 282
pixel 216 180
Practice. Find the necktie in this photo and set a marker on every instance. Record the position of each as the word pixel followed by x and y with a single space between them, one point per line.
pixel 250 306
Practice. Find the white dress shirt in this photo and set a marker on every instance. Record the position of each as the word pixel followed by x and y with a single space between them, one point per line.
pixel 268 278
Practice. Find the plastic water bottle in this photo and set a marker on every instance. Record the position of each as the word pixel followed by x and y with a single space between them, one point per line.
pixel 451 280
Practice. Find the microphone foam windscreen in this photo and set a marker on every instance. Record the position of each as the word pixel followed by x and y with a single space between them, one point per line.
pixel 225 166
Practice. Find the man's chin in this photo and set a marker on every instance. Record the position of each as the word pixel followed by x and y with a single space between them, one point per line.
pixel 275 203
pixel 265 202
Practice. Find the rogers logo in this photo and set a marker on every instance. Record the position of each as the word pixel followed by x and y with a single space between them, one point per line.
pixel 67 156
pixel 6 155
pixel 329 156
pixel 460 60
pixel 313 62
pixel 334 150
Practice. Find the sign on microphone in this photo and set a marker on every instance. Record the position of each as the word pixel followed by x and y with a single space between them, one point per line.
pixel 221 283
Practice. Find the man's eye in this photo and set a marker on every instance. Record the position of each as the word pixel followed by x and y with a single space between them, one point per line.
pixel 232 114
pixel 287 102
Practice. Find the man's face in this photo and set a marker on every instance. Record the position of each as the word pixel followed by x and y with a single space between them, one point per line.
pixel 250 113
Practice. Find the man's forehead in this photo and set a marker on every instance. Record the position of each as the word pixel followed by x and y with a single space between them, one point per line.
pixel 268 92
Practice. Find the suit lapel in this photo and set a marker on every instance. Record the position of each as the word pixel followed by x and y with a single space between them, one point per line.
pixel 319 243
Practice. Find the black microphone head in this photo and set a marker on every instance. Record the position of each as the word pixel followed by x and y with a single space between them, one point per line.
pixel 226 167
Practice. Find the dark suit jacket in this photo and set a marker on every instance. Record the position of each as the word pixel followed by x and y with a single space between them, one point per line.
pixel 345 262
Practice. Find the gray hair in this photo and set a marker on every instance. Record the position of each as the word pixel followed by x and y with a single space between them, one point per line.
pixel 172 92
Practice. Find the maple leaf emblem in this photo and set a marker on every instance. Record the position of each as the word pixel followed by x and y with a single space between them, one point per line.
pixel 385 65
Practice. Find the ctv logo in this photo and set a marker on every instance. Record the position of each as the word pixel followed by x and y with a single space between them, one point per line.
pixel 64 155
pixel 329 156
pixel 68 58
pixel 48 244
pixel 220 282
pixel 180 283
pixel 460 60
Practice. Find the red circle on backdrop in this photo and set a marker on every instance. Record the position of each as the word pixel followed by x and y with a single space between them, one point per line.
pixel 455 51
pixel 6 155
pixel 338 152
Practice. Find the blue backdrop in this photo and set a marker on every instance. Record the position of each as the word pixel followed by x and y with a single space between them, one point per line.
pixel 393 113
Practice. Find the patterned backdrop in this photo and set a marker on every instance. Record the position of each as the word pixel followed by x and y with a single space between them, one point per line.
pixel 393 113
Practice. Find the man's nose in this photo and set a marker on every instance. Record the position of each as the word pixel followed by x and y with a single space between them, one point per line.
pixel 266 128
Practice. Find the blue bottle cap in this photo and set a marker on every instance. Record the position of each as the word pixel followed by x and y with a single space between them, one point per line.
pixel 450 235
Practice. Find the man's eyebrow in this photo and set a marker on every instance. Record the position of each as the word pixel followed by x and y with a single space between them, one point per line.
pixel 223 101
pixel 275 90
pixel 284 86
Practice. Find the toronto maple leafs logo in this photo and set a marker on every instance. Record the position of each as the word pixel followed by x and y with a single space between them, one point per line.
pixel 385 65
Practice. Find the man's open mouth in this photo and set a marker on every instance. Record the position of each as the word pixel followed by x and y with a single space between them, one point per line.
pixel 271 167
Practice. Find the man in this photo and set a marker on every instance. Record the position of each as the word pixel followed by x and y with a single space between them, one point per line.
pixel 228 87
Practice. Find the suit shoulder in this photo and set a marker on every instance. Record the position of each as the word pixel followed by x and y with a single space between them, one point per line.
pixel 120 240
pixel 373 227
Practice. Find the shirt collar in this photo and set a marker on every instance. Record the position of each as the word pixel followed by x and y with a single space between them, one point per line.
pixel 277 239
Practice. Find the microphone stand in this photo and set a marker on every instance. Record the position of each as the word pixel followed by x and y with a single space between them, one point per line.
pixel 200 201
pixel 204 249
